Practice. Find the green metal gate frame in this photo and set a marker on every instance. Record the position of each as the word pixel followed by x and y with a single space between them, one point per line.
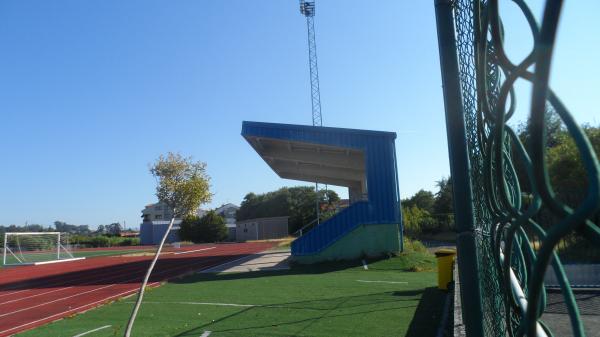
pixel 502 275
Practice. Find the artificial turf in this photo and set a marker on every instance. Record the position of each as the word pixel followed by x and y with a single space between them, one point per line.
pixel 94 253
pixel 323 300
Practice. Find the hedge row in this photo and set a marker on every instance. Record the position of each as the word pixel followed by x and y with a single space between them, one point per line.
pixel 102 241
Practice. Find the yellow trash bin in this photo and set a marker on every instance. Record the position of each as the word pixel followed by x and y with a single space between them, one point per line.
pixel 445 261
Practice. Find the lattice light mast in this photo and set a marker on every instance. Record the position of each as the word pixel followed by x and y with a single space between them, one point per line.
pixel 307 8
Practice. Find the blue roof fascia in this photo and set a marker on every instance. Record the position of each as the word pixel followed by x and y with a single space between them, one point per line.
pixel 247 126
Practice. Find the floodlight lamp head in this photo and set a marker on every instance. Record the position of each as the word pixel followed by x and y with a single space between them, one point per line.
pixel 307 8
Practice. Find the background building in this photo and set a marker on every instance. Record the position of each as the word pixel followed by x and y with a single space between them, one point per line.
pixel 151 232
pixel 228 211
pixel 155 221
pixel 157 211
pixel 156 218
pixel 262 228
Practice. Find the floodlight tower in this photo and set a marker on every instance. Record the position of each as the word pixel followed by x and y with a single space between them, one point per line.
pixel 307 8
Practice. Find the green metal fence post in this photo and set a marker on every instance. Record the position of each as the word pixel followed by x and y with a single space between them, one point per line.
pixel 460 170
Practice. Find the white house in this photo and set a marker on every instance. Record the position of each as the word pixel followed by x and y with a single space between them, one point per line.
pixel 157 212
pixel 228 212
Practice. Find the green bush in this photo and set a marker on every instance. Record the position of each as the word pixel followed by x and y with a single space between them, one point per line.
pixel 129 242
pixel 99 241
pixel 413 246
pixel 417 221
pixel 210 228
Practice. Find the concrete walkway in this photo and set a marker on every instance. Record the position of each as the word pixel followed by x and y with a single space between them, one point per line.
pixel 265 261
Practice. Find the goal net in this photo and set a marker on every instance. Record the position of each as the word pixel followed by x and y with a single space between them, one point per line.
pixel 35 248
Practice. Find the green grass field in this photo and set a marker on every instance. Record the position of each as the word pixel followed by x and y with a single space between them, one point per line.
pixel 326 300
pixel 94 253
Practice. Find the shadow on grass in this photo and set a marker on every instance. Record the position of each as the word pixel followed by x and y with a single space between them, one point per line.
pixel 316 310
pixel 429 314
pixel 299 269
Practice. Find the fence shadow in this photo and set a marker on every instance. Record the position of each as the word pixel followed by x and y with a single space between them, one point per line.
pixel 429 313
pixel 324 310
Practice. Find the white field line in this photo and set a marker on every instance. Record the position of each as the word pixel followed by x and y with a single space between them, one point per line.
pixel 391 282
pixel 216 304
pixel 206 334
pixel 94 330
pixel 365 265
pixel 206 303
pixel 193 251
pixel 59 261
pixel 264 269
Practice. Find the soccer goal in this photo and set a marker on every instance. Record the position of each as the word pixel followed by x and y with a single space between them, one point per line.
pixel 36 248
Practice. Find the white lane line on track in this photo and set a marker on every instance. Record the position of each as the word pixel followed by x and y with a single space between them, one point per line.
pixel 56 283
pixel 391 282
pixel 94 330
pixel 39 294
pixel 67 311
pixel 82 293
pixel 29 289
pixel 206 334
pixel 203 303
pixel 101 301
pixel 57 300
pixel 193 251
pixel 64 288
pixel 90 282
pixel 13 292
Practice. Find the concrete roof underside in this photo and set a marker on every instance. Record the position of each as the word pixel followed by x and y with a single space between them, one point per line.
pixel 312 162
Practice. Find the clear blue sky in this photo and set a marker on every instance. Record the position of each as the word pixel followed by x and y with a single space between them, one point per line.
pixel 91 92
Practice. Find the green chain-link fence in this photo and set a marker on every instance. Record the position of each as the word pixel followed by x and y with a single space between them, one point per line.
pixel 501 186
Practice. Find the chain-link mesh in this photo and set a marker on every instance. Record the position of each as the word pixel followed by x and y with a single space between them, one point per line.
pixel 510 186
pixel 493 305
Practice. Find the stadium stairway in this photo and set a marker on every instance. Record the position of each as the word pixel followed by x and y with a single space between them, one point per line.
pixel 345 236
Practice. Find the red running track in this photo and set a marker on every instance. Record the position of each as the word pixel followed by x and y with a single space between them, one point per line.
pixel 31 296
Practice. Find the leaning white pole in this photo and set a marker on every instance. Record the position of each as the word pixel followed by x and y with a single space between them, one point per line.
pixel 58 247
pixel 520 295
pixel 5 245
pixel 138 302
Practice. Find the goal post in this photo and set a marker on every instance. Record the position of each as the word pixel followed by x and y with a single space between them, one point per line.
pixel 26 248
